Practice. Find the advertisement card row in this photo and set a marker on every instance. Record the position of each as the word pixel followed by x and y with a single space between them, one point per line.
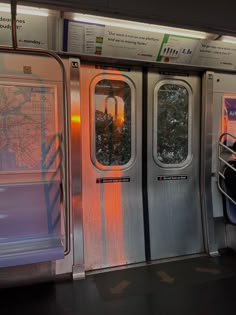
pixel 111 41
pixel 119 42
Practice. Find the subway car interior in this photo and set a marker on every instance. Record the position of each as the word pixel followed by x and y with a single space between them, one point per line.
pixel 118 189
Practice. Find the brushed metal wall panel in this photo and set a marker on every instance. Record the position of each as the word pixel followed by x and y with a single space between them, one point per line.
pixel 222 84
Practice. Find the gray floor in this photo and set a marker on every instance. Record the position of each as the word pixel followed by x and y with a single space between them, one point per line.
pixel 197 286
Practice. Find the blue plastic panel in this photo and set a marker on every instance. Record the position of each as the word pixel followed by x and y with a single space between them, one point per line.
pixel 29 210
pixel 20 253
pixel 30 223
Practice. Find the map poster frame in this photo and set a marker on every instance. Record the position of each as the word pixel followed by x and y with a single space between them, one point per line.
pixel 28 111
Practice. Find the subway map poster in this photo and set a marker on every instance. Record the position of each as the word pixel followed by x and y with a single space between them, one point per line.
pixel 27 125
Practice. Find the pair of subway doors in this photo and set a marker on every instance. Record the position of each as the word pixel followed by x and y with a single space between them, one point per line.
pixel 140 166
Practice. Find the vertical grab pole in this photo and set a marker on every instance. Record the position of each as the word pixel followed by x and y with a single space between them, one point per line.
pixel 206 166
pixel 13 23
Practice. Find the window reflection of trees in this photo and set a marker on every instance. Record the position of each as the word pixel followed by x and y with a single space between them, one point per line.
pixel 112 122
pixel 172 134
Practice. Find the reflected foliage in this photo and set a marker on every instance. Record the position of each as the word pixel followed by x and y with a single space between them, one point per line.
pixel 172 134
pixel 112 122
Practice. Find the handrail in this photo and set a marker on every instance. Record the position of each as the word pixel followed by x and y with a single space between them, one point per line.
pixel 222 160
pixel 42 52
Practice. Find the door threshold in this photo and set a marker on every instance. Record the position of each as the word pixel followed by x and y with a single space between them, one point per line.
pixel 143 264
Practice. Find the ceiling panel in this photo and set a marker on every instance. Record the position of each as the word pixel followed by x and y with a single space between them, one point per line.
pixel 206 15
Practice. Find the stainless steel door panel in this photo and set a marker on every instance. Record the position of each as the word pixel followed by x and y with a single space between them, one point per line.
pixel 112 211
pixel 173 190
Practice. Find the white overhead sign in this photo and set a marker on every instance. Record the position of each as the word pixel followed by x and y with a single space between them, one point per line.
pixel 32 31
pixel 215 54
pixel 129 43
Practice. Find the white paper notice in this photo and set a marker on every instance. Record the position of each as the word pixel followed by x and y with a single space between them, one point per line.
pixel 85 38
pixel 93 39
pixel 128 43
pixel 75 37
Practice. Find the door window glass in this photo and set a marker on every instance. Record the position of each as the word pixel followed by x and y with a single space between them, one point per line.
pixel 113 119
pixel 173 124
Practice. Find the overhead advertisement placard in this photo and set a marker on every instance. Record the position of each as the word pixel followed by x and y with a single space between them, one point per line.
pixel 32 31
pixel 112 41
pixel 177 49
pixel 125 43
pixel 83 37
pixel 215 54
pixel 129 43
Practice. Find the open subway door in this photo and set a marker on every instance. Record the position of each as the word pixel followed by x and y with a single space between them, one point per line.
pixel 31 141
pixel 111 103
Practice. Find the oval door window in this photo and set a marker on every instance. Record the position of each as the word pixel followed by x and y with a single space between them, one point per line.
pixel 172 124
pixel 112 122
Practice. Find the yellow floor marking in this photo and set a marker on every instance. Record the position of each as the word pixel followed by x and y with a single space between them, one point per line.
pixel 165 277
pixel 208 270
pixel 120 287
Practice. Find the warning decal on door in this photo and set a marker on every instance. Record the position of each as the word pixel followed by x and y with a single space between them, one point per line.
pixel 175 177
pixel 108 180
